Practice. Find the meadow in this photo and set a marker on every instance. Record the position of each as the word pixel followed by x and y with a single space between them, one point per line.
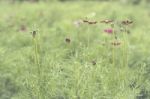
pixel 67 50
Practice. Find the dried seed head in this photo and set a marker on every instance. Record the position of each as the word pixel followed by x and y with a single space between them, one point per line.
pixel 67 40
pixel 116 43
pixel 93 62
pixel 92 22
pixel 127 22
pixel 85 21
pixel 34 34
pixel 106 21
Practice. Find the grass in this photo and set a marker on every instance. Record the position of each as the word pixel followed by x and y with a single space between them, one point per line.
pixel 51 68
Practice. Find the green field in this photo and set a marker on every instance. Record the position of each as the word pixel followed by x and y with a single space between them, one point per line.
pixel 68 60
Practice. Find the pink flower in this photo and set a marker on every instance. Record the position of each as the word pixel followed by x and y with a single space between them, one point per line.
pixel 109 31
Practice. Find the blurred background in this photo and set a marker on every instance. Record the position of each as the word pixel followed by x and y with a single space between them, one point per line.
pixel 63 65
pixel 122 1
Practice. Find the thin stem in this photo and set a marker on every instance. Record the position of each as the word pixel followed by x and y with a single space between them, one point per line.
pixel 88 37
pixel 126 46
pixel 125 54
pixel 37 63
pixel 113 47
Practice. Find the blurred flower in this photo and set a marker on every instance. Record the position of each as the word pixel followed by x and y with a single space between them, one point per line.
pixel 109 31
pixel 85 20
pixel 89 21
pixel 92 22
pixel 116 43
pixel 93 62
pixel 68 40
pixel 34 34
pixel 127 22
pixel 106 21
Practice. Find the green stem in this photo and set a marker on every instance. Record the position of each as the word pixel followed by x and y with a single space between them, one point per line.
pixel 113 49
pixel 125 49
pixel 88 37
pixel 37 63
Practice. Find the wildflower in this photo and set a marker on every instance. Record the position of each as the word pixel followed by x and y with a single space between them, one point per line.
pixel 89 22
pixel 33 34
pixel 92 22
pixel 116 43
pixel 93 62
pixel 127 22
pixel 109 31
pixel 85 20
pixel 67 40
pixel 106 21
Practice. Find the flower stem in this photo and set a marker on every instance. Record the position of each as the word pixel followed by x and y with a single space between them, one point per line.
pixel 37 63
pixel 126 46
pixel 113 47
pixel 125 49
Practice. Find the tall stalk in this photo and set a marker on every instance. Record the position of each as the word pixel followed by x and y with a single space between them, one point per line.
pixel 125 49
pixel 113 51
pixel 37 62
pixel 126 37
